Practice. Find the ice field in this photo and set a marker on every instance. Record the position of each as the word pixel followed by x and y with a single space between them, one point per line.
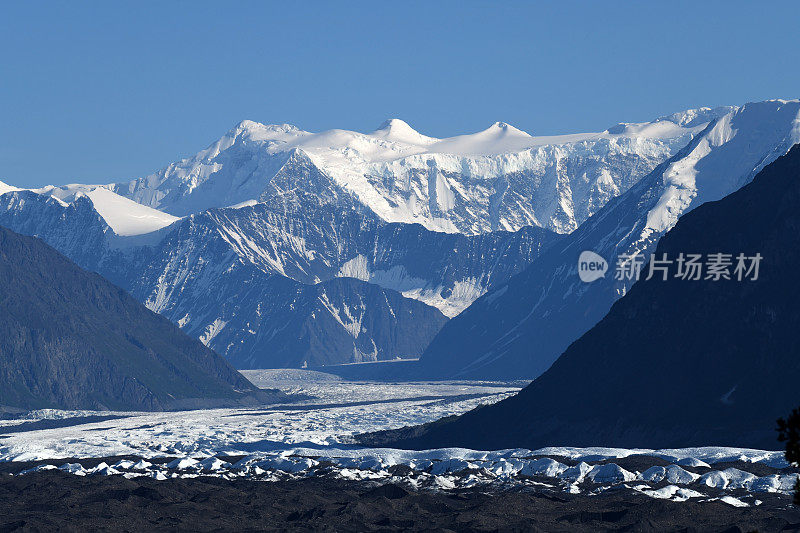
pixel 313 437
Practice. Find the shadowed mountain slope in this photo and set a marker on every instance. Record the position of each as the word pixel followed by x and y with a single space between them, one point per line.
pixel 70 339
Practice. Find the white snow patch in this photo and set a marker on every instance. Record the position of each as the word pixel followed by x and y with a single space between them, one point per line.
pixel 126 217
pixel 212 330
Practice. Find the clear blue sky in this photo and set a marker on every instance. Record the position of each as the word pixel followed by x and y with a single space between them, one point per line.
pixel 105 91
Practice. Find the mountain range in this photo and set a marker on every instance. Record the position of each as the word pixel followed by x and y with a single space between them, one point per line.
pixel 499 178
pixel 278 247
pixel 676 362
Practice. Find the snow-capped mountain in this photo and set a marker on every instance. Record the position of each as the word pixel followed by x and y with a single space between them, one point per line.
pixel 258 231
pixel 499 178
pixel 522 326
pixel 123 216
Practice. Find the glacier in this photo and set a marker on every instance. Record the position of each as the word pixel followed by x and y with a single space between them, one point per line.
pixel 312 437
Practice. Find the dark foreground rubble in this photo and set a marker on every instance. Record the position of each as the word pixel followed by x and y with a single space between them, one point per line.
pixel 52 500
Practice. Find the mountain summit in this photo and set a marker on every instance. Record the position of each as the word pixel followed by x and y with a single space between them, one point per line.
pixel 399 131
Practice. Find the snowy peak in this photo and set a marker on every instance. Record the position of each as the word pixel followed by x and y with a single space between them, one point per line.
pixel 399 131
pixel 499 138
pixel 498 178
pixel 696 117
pixel 503 129
pixel 125 217
pixel 5 187
pixel 668 125
pixel 395 124
pixel 726 157
pixel 260 132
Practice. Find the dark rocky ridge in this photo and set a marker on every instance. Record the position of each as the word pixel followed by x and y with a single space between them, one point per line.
pixel 100 503
pixel 70 339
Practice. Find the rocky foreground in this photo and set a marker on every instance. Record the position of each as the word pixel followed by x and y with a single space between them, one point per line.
pixel 54 500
